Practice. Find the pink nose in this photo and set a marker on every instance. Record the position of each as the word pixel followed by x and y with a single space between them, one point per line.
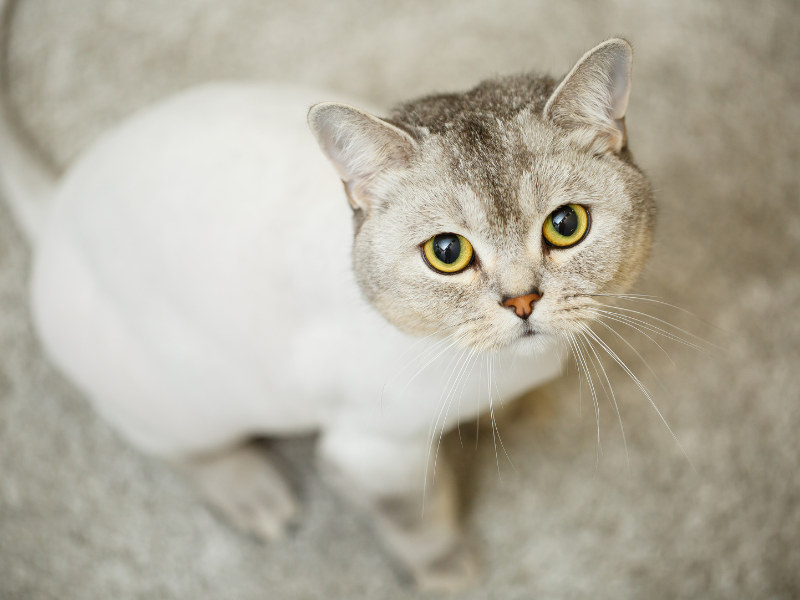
pixel 522 305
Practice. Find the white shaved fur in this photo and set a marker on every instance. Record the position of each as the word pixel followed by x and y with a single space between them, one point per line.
pixel 194 279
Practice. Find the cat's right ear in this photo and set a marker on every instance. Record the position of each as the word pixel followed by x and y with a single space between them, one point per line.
pixel 592 99
pixel 359 146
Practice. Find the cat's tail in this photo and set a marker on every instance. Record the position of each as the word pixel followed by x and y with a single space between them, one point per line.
pixel 28 182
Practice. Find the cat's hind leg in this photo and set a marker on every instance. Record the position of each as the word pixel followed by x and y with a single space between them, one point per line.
pixel 244 486
pixel 159 386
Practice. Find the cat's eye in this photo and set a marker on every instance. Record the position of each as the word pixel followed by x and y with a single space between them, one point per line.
pixel 448 252
pixel 566 226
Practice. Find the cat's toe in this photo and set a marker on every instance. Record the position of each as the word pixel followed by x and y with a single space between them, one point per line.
pixel 246 488
pixel 456 571
pixel 266 508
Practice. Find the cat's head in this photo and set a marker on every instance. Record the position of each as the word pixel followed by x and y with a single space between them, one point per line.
pixel 496 214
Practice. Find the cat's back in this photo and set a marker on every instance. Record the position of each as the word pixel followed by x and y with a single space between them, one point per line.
pixel 224 162
pixel 222 183
pixel 201 229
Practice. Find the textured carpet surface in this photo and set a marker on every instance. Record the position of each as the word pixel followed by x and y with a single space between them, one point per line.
pixel 714 119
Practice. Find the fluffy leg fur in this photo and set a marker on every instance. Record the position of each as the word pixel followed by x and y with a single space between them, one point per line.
pixel 386 478
pixel 245 487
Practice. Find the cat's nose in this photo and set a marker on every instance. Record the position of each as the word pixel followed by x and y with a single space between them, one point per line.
pixel 522 305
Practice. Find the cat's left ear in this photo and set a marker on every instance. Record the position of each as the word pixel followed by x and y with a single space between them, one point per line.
pixel 593 97
pixel 359 145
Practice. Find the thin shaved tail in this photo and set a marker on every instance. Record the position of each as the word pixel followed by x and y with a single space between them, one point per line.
pixel 27 181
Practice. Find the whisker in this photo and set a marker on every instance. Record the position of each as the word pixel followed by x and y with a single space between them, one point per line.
pixel 417 374
pixel 491 416
pixel 448 399
pixel 616 333
pixel 655 300
pixel 623 318
pixel 612 398
pixel 474 358
pixel 514 359
pixel 502 406
pixel 667 323
pixel 456 356
pixel 502 374
pixel 416 360
pixel 598 320
pixel 639 384
pixel 435 425
pixel 499 362
pixel 582 364
pixel 570 340
pixel 446 391
pixel 478 417
pixel 414 345
pixel 593 388
pixel 495 429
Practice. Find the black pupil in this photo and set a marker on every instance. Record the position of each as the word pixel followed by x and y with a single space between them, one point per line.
pixel 447 248
pixel 565 221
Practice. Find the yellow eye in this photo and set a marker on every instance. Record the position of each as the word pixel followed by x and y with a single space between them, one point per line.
pixel 448 252
pixel 566 226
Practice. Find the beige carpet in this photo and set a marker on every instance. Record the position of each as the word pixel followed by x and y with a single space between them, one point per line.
pixel 714 119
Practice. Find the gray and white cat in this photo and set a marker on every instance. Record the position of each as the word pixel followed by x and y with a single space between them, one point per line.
pixel 198 274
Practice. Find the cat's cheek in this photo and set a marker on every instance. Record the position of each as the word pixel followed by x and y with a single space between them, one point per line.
pixel 558 258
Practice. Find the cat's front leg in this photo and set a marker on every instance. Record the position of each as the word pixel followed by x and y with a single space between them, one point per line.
pixel 418 523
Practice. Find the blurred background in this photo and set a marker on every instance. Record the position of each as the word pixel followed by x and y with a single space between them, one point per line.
pixel 714 119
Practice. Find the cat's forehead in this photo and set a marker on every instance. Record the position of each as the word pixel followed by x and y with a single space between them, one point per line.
pixel 500 176
pixel 477 139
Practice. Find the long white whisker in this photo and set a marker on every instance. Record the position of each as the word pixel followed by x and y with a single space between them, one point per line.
pixel 473 358
pixel 514 359
pixel 478 417
pixel 409 349
pixel 599 320
pixel 416 360
pixel 648 326
pixel 491 408
pixel 446 389
pixel 448 400
pixel 612 398
pixel 655 300
pixel 612 330
pixel 639 384
pixel 571 341
pixel 458 338
pixel 491 416
pixel 590 383
pixel 434 427
pixel 502 373
pixel 419 357
pixel 595 396
pixel 662 321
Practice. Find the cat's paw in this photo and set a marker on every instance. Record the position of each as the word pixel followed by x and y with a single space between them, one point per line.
pixel 456 571
pixel 246 488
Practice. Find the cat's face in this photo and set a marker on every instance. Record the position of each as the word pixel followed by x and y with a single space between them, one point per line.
pixel 511 256
pixel 496 226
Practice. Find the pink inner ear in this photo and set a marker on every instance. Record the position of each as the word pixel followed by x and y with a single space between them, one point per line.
pixel 620 88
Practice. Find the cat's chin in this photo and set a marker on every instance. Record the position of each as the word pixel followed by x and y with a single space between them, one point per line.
pixel 531 343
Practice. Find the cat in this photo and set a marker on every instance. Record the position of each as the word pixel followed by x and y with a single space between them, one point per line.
pixel 198 274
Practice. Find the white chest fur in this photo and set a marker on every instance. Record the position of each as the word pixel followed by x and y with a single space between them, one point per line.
pixel 194 279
